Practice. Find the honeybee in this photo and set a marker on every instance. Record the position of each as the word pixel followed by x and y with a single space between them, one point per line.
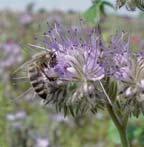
pixel 37 72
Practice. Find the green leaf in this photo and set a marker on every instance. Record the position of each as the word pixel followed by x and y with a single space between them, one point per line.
pixel 96 11
pixel 131 132
pixel 92 14
pixel 71 111
pixel 113 133
pixel 108 4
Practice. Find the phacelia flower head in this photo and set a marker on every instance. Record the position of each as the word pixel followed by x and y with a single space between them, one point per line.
pixel 119 58
pixel 127 68
pixel 79 60
pixel 79 67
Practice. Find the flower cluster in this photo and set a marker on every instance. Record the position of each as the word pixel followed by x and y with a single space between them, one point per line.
pixel 90 74
pixel 10 55
pixel 21 131
pixel 20 115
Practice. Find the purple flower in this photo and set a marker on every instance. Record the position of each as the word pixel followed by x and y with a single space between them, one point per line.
pixel 11 55
pixel 26 19
pixel 78 58
pixel 20 115
pixel 60 118
pixel 132 77
pixel 119 58
pixel 42 142
pixel 126 67
pixel 79 52
pixel 80 68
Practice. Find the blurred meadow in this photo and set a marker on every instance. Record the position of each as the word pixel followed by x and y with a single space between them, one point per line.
pixel 25 122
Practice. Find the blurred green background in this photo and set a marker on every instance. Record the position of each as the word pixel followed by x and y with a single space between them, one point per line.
pixel 24 122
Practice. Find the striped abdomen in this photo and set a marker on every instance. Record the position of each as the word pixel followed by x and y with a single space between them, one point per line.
pixel 37 81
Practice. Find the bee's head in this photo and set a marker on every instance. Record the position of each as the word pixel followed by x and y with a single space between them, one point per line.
pixel 52 59
pixel 46 58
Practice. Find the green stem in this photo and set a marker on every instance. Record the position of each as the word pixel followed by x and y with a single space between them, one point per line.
pixel 120 125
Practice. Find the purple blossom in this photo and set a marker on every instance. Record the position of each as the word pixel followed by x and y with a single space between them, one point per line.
pixel 60 118
pixel 20 115
pixel 126 67
pixel 11 55
pixel 26 19
pixel 42 142
pixel 119 58
pixel 78 59
pixel 134 85
pixel 79 52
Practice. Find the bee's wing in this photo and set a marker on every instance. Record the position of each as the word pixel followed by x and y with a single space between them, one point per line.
pixel 20 83
pixel 21 73
pixel 19 77
pixel 26 95
pixel 22 67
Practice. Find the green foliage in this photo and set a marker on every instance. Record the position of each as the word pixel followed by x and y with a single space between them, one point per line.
pixel 5 107
pixel 30 7
pixel 136 131
pixel 95 13
pixel 113 134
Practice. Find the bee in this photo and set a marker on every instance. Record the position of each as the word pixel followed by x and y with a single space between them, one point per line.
pixel 37 72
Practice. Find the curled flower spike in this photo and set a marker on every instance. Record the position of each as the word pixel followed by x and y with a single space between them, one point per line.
pixel 133 85
pixel 131 4
pixel 120 58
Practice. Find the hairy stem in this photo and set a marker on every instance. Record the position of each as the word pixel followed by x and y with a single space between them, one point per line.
pixel 105 93
pixel 120 125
